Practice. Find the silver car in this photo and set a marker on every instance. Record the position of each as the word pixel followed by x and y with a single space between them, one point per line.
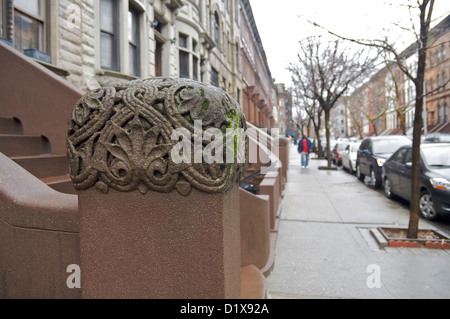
pixel 349 156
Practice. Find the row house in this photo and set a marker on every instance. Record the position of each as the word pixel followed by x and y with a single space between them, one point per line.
pixel 437 76
pixel 257 80
pixel 282 110
pixel 96 42
pixel 385 104
pixel 365 109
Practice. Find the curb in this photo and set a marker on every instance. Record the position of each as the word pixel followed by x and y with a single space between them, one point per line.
pixel 379 237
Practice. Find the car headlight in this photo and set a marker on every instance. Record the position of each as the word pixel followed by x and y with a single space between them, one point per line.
pixel 439 182
pixel 380 161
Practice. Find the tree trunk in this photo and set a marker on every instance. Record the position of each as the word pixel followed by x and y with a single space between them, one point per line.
pixel 413 226
pixel 319 143
pixel 402 121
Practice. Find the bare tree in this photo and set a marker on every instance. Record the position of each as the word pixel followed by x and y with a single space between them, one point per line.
pixel 425 10
pixel 309 106
pixel 325 71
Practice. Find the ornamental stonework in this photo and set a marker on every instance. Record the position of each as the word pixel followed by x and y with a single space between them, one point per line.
pixel 122 137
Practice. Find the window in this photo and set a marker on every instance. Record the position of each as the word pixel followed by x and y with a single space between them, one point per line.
pixel 29 17
pixel 408 156
pixel 445 112
pixel 184 64
pixel 133 41
pixel 439 114
pixel 223 84
pixel 187 47
pixel 194 60
pixel 214 77
pixel 216 28
pixel 109 35
pixel 160 40
pixel 237 54
pixel 195 67
pixel 183 56
pixel 158 58
pixel 365 145
pixel 182 41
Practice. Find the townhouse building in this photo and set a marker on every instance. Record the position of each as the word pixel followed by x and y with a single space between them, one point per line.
pixel 93 43
pixel 385 104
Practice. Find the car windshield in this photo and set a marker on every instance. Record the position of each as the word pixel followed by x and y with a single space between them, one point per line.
pixel 388 145
pixel 437 156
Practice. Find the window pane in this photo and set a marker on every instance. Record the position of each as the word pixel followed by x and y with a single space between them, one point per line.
pixel 216 28
pixel 134 61
pixel 214 77
pixel 158 59
pixel 182 40
pixel 107 49
pixel 27 32
pixel 195 68
pixel 133 27
pixel 29 6
pixel 107 16
pixel 184 64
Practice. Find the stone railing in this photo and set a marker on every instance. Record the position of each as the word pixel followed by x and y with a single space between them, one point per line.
pixel 158 214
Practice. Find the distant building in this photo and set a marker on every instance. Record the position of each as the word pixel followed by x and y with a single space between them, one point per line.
pixel 386 103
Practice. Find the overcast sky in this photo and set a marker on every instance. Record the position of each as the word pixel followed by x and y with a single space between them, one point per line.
pixel 282 23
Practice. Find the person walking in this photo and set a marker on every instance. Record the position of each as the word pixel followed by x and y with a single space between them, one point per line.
pixel 304 148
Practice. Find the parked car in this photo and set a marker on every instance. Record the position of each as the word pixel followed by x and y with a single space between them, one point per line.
pixel 434 177
pixel 372 154
pixel 336 153
pixel 437 138
pixel 349 156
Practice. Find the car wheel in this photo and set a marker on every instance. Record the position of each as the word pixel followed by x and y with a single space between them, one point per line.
pixel 358 173
pixel 426 206
pixel 373 179
pixel 388 188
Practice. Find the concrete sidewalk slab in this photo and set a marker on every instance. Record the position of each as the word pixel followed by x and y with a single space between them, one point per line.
pixel 325 248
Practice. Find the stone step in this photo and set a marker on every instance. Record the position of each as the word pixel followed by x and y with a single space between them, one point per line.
pixel 43 166
pixel 23 145
pixel 61 183
pixel 10 126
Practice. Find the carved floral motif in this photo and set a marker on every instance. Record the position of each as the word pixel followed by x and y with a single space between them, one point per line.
pixel 120 137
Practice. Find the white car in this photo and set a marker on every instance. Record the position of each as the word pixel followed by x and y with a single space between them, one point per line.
pixel 349 156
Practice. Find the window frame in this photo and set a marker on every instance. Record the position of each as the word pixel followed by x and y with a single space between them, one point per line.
pixel 41 19
pixel 115 63
pixel 135 70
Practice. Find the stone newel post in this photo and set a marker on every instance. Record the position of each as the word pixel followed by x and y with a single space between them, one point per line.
pixel 158 190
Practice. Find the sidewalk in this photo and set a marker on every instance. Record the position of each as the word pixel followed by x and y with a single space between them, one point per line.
pixel 324 245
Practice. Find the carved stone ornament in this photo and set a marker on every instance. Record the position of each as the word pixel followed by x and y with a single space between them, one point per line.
pixel 122 137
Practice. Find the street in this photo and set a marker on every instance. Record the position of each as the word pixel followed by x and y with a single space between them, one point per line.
pixel 325 248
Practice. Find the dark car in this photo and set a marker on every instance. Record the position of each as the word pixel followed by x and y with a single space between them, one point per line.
pixel 372 154
pixel 434 177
